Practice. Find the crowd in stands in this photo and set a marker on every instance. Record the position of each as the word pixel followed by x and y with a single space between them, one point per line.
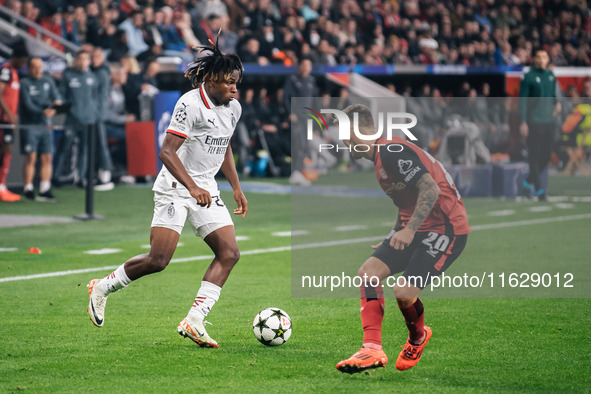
pixel 133 33
pixel 468 32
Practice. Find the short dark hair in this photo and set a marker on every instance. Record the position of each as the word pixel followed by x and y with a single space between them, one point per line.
pixel 213 66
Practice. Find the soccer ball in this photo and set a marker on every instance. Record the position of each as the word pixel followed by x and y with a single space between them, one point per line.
pixel 272 327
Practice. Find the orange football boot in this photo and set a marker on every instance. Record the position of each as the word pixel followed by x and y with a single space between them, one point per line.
pixel 411 354
pixel 364 359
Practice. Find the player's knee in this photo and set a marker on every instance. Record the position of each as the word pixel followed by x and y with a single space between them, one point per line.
pixel 157 263
pixel 230 256
pixel 405 292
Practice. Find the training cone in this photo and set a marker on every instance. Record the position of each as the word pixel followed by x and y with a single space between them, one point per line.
pixel 35 251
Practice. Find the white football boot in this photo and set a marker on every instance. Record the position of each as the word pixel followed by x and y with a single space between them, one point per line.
pixel 96 304
pixel 196 332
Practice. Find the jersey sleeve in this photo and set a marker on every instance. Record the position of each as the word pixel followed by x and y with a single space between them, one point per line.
pixel 405 165
pixel 5 75
pixel 182 120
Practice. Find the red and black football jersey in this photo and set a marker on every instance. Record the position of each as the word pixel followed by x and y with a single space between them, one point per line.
pixel 9 76
pixel 399 167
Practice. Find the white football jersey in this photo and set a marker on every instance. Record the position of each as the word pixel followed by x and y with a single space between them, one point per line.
pixel 207 130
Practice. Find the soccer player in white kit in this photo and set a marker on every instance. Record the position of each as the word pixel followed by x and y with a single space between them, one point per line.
pixel 196 146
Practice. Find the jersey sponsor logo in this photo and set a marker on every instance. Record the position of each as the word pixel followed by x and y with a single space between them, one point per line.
pixel 405 166
pixel 212 121
pixel 217 146
pixel 412 173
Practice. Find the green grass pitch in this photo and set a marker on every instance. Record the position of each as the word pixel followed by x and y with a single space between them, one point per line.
pixel 48 344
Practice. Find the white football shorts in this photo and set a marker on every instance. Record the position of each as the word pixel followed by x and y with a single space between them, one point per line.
pixel 172 212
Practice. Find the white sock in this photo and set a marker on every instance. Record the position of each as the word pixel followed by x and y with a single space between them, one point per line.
pixel 116 280
pixel 29 187
pixel 2 187
pixel 207 296
pixel 44 186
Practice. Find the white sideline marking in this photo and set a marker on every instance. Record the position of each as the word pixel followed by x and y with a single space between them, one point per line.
pixel 8 249
pixel 543 208
pixel 103 251
pixel 350 228
pixel 504 212
pixel 242 238
pixel 564 205
pixel 148 246
pixel 289 233
pixel 304 246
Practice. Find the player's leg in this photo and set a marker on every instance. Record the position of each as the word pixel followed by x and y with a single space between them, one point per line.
pixel 546 143
pixel 170 214
pixel 215 226
pixel 383 262
pixel 45 172
pixel 371 354
pixel 29 174
pixel 5 157
pixel 430 257
pixel 223 244
pixel 533 158
pixel 163 242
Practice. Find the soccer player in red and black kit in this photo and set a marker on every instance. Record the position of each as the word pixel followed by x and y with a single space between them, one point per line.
pixel 430 232
pixel 9 95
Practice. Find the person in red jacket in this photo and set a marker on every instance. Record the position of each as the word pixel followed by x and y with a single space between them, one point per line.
pixel 9 95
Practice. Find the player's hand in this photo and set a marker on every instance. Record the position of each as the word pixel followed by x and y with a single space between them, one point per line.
pixel 49 112
pixel 202 196
pixel 374 247
pixel 524 130
pixel 242 203
pixel 402 238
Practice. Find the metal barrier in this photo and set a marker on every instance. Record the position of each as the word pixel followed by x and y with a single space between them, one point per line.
pixel 91 146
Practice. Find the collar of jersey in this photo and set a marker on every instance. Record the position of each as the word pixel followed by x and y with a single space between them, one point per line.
pixel 206 100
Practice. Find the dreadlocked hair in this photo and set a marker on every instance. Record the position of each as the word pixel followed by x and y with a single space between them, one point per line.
pixel 213 66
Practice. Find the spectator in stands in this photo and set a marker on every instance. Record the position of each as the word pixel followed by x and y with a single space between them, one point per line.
pixel 302 85
pixel 183 25
pixel 132 26
pixel 116 117
pixel 79 87
pixel 39 95
pixel 133 87
pixel 150 29
pixel 171 38
pixel 103 75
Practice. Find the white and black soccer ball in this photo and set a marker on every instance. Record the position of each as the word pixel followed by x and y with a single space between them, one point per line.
pixel 272 327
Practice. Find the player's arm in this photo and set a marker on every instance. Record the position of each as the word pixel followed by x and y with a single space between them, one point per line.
pixel 171 160
pixel 229 170
pixel 4 105
pixel 427 196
